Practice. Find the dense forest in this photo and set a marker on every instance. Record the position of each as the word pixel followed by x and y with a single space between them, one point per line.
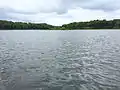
pixel 95 24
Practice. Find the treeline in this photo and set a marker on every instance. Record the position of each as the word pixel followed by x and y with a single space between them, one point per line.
pixel 20 25
pixel 95 24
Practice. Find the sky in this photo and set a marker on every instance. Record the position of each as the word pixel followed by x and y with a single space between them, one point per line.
pixel 58 12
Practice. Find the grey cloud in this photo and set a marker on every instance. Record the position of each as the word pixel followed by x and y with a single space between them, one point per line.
pixel 64 5
pixel 10 10
pixel 105 5
pixel 4 14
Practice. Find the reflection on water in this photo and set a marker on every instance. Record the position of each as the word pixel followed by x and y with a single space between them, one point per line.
pixel 59 60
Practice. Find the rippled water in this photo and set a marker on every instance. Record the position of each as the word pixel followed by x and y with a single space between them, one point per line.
pixel 60 60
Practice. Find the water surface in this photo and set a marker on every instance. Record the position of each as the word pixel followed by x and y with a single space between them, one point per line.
pixel 60 60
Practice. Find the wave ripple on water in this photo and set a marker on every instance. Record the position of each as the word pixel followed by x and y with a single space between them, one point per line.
pixel 60 61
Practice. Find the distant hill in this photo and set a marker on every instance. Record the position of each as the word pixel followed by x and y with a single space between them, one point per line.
pixel 95 24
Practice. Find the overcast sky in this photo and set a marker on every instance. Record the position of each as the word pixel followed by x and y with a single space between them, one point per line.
pixel 58 12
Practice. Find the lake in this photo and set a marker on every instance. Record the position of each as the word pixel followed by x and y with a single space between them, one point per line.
pixel 60 60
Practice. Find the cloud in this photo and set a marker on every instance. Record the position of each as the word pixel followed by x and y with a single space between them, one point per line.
pixel 4 14
pixel 59 6
pixel 35 6
pixel 58 12
pixel 105 5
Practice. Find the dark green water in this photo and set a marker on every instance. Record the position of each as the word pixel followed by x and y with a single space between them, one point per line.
pixel 60 60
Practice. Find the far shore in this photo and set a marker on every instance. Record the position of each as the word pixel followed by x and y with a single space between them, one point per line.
pixel 88 25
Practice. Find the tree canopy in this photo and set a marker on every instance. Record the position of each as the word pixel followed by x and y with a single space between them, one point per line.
pixel 95 24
